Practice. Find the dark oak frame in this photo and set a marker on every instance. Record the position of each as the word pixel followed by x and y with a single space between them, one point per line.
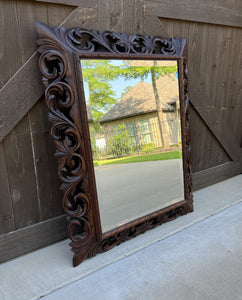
pixel 61 51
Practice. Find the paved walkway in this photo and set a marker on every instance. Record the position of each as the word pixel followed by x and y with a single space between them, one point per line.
pixel 130 191
pixel 197 256
pixel 203 261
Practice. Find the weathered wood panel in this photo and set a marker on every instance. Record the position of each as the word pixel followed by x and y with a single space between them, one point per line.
pixel 80 3
pixel 48 186
pixel 10 38
pixel 28 168
pixel 21 173
pixel 215 174
pixel 228 12
pixel 6 207
pixel 32 237
pixel 214 141
pixel 15 100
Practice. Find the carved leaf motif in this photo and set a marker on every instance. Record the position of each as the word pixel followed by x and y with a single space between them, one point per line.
pixel 62 97
pixel 89 41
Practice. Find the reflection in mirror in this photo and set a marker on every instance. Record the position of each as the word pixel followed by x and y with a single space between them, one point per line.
pixel 135 130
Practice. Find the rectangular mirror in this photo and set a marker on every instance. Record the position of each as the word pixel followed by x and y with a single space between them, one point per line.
pixel 135 129
pixel 118 105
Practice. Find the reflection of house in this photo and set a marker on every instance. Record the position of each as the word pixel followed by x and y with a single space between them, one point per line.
pixel 138 111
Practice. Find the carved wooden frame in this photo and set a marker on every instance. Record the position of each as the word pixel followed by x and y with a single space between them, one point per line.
pixel 60 52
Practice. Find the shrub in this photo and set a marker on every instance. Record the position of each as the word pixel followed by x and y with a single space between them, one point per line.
pixel 147 148
pixel 119 144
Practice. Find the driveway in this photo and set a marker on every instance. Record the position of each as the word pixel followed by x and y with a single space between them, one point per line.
pixel 129 191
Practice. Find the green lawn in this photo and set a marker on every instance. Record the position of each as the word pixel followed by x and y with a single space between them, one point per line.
pixel 141 158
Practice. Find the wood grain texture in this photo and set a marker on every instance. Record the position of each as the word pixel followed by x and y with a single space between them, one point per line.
pixel 207 154
pixel 227 12
pixel 207 44
pixel 11 58
pixel 215 174
pixel 133 16
pixel 80 3
pixel 21 174
pixel 6 207
pixel 32 237
pixel 19 95
pixel 215 74
pixel 15 100
pixel 110 15
pixel 45 164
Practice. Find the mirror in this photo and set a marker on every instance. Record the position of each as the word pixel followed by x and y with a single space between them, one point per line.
pixel 118 105
pixel 135 130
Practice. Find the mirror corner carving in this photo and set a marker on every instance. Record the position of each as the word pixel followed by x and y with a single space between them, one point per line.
pixel 59 52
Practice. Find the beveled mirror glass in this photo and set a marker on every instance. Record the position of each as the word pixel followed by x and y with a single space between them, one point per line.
pixel 118 105
pixel 134 123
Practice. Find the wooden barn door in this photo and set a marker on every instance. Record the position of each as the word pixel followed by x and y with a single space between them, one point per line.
pixel 30 200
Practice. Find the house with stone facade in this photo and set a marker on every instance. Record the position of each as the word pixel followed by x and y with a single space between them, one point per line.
pixel 137 110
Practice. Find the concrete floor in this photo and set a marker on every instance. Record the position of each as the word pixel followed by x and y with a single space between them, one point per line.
pixel 197 256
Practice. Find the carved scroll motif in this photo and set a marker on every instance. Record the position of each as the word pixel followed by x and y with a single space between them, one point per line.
pixel 60 96
pixel 89 41
pixel 57 49
pixel 188 174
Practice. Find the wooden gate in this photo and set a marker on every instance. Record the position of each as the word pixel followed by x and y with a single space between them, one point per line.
pixel 30 200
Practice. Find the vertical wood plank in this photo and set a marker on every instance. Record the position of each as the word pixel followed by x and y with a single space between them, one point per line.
pixel 28 13
pixel 133 15
pixel 10 45
pixel 22 180
pixel 57 13
pixel 110 15
pixel 83 17
pixel 47 181
pixel 6 208
pixel 158 26
pixel 204 146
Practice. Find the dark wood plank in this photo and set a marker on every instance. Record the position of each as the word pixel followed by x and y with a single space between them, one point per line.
pixel 11 49
pixel 27 14
pixel 16 101
pixel 110 15
pixel 158 26
pixel 47 182
pixel 19 95
pixel 227 13
pixel 32 237
pixel 216 174
pixel 82 17
pixel 133 15
pixel 56 14
pixel 6 207
pixel 206 150
pixel 22 177
pixel 204 89
pixel 80 3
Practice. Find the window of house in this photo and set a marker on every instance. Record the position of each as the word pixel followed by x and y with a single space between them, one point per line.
pixel 145 131
pixel 133 133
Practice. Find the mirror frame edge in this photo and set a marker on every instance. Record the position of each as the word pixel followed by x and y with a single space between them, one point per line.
pixel 59 63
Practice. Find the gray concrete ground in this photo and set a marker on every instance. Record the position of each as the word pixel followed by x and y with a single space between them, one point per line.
pixel 202 262
pixel 197 256
pixel 129 191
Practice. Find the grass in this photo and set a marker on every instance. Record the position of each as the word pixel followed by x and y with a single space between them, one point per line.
pixel 141 158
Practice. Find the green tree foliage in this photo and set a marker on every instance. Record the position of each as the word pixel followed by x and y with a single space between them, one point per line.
pixel 119 143
pixel 101 95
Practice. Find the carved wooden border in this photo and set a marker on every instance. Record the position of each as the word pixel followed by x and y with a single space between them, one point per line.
pixel 60 51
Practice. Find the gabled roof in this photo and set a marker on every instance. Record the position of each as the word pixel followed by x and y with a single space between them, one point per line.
pixel 140 99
